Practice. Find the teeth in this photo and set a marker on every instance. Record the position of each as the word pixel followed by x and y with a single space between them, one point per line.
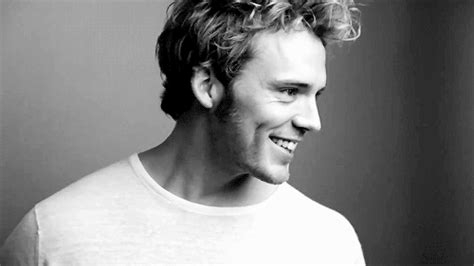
pixel 288 145
pixel 291 146
pixel 280 142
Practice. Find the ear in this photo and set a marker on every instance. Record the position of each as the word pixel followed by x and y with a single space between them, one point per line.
pixel 207 89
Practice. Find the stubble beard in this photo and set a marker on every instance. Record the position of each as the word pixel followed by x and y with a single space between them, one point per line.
pixel 248 159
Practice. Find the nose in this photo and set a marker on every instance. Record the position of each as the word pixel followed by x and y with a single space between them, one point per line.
pixel 307 117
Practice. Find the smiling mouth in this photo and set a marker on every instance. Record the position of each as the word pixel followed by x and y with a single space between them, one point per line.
pixel 286 144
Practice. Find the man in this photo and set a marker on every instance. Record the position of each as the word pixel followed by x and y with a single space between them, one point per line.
pixel 241 80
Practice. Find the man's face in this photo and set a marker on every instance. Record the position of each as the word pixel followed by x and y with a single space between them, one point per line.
pixel 272 103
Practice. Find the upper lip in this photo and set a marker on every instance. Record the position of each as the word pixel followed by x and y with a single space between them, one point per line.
pixel 288 138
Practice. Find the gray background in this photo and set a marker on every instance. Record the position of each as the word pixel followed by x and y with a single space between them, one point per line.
pixel 80 89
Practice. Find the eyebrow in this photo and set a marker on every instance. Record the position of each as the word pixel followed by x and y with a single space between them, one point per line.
pixel 291 83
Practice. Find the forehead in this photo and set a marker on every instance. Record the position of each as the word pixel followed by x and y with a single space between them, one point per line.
pixel 293 55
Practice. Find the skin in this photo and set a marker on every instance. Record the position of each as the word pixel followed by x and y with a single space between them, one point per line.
pixel 233 161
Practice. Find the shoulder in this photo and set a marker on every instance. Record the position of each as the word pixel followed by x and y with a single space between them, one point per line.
pixel 112 175
pixel 299 205
pixel 89 210
pixel 97 197
pixel 20 248
pixel 105 183
pixel 319 227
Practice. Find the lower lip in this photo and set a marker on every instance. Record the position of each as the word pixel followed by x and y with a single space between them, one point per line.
pixel 283 150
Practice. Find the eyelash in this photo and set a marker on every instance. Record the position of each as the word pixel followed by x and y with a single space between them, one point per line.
pixel 319 93
pixel 294 91
pixel 290 91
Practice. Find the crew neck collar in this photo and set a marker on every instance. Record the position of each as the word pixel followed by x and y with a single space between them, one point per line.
pixel 190 206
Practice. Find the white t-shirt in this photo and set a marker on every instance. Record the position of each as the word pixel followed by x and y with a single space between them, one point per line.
pixel 120 215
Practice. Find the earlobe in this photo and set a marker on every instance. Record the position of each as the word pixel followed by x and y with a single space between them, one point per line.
pixel 206 88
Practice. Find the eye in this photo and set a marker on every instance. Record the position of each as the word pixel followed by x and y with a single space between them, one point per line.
pixel 289 91
pixel 319 93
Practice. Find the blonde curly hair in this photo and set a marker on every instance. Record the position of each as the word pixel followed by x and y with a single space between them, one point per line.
pixel 217 34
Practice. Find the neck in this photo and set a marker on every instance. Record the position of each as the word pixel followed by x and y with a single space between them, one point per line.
pixel 187 165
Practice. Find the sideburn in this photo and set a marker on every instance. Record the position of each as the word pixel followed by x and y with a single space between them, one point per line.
pixel 226 108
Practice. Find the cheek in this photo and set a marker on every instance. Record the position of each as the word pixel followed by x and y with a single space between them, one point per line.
pixel 257 118
pixel 272 117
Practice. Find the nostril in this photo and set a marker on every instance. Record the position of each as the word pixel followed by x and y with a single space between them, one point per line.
pixel 302 131
pixel 300 128
pixel 304 125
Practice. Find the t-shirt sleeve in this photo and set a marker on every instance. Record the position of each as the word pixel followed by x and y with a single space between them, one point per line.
pixel 21 246
pixel 355 246
pixel 359 255
pixel 348 242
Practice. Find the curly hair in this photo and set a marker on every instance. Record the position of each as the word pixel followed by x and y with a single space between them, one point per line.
pixel 217 34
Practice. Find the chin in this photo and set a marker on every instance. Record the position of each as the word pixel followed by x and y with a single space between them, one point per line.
pixel 272 177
